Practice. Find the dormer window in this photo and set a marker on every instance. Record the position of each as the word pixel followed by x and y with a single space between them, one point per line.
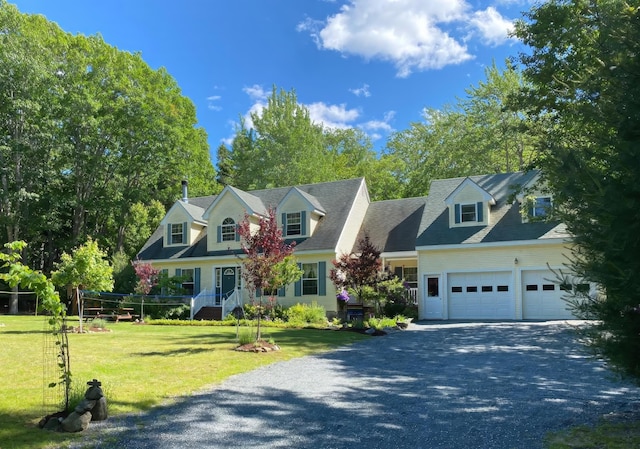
pixel 541 207
pixel 468 212
pixel 294 221
pixel 177 233
pixel 228 230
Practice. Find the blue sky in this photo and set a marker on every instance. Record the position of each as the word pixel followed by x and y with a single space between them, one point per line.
pixel 372 64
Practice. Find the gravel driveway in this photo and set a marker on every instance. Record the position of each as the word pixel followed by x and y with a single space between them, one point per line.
pixel 435 386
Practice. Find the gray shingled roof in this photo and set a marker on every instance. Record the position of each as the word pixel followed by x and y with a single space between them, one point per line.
pixel 335 198
pixel 505 221
pixel 193 210
pixel 393 225
pixel 311 199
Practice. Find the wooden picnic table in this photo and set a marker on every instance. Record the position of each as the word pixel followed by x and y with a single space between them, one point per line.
pixel 110 313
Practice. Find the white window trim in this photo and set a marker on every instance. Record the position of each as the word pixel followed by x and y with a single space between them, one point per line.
pixel 225 231
pixel 475 213
pixel 546 207
pixel 173 234
pixel 303 279
pixel 298 224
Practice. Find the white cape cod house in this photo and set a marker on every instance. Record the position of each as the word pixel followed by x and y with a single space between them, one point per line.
pixel 465 250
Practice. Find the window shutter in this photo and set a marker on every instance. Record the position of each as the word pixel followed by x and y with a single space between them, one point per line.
pixel 322 278
pixel 258 292
pixel 219 234
pixel 237 233
pixel 196 281
pixel 281 291
pixel 178 272
pixel 480 211
pixel 298 285
pixel 184 233
pixel 284 224
pixel 168 242
pixel 303 222
pixel 457 213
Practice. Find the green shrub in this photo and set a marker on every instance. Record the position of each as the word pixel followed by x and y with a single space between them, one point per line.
pixel 305 314
pixel 98 323
pixel 181 312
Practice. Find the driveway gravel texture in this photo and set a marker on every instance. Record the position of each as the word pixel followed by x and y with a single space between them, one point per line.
pixel 496 385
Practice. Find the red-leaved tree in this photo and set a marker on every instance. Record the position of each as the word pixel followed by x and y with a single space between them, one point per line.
pixel 147 276
pixel 268 263
pixel 356 271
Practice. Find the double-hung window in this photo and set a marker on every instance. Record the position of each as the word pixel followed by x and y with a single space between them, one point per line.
pixel 468 213
pixel 310 279
pixel 294 223
pixel 542 206
pixel 177 233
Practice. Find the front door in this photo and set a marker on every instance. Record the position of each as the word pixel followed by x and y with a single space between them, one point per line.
pixel 228 281
pixel 433 298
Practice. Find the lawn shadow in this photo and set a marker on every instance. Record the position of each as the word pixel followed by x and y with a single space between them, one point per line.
pixel 449 385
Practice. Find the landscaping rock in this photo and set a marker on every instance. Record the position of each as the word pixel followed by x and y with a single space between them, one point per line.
pixel 52 423
pixel 99 412
pixel 76 422
pixel 85 405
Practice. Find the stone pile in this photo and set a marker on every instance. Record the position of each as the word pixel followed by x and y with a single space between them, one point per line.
pixel 92 408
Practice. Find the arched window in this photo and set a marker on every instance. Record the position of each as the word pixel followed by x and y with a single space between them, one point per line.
pixel 228 231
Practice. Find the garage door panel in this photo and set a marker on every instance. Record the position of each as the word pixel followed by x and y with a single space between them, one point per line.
pixel 485 295
pixel 541 297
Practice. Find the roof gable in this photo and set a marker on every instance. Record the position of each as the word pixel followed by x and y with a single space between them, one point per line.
pixel 312 202
pixel 192 211
pixel 251 203
pixel 469 183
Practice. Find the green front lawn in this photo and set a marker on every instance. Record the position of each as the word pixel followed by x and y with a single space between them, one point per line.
pixel 139 366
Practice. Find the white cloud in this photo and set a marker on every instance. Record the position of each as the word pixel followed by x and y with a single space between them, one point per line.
pixel 256 92
pixel 379 125
pixel 414 35
pixel 493 28
pixel 332 116
pixel 211 103
pixel 364 91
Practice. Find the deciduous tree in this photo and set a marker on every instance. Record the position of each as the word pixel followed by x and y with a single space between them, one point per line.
pixel 585 75
pixel 86 268
pixel 358 271
pixel 268 263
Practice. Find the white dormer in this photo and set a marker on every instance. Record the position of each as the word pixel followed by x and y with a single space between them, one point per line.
pixel 535 200
pixel 300 213
pixel 183 224
pixel 469 205
pixel 225 214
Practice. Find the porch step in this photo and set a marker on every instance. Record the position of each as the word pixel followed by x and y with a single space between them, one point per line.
pixel 209 313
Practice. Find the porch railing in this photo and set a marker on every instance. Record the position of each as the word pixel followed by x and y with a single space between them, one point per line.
pixel 206 298
pixel 232 300
pixel 412 296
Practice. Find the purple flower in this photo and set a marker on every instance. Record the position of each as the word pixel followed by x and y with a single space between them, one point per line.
pixel 343 295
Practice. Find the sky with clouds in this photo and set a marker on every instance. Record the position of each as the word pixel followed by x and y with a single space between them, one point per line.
pixel 371 64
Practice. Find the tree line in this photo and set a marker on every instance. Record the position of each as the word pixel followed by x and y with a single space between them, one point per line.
pixel 93 142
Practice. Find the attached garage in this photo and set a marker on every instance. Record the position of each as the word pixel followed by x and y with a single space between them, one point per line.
pixel 487 295
pixel 541 297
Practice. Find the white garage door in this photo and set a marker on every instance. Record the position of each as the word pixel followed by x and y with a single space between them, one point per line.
pixel 481 295
pixel 541 297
